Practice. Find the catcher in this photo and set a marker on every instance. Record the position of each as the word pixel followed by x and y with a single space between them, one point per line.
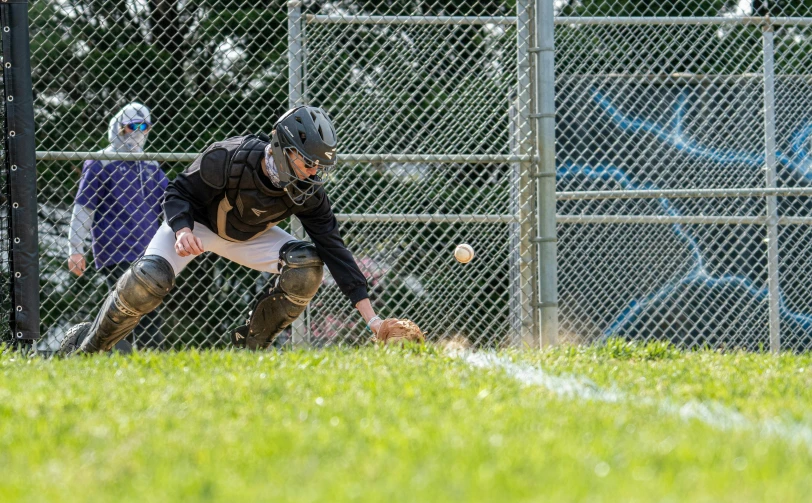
pixel 229 201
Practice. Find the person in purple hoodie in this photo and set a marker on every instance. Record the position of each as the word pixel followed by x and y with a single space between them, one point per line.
pixel 118 206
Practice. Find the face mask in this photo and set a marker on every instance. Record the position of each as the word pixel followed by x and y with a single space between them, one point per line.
pixel 270 166
pixel 135 140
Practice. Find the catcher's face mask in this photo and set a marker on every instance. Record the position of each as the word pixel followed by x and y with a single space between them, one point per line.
pixel 299 176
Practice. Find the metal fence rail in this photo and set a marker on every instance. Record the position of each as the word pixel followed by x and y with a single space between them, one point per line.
pixel 681 166
pixel 366 158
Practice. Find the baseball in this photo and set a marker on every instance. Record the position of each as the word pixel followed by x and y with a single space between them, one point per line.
pixel 463 253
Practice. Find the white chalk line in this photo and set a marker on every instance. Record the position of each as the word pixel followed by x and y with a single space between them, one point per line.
pixel 713 414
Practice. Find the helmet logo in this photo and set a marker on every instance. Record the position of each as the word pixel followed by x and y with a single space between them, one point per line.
pixel 329 154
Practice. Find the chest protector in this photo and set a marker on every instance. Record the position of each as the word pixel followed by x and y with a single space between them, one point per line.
pixel 248 206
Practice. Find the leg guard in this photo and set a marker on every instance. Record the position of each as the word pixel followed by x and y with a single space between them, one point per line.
pixel 139 291
pixel 297 283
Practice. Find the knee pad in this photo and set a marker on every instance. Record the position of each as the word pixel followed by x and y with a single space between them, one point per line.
pixel 140 290
pixel 301 273
pixel 298 281
pixel 145 284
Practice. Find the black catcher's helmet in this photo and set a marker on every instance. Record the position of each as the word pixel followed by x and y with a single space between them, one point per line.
pixel 309 132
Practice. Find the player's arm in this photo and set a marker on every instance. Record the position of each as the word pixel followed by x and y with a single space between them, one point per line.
pixel 81 222
pixel 160 191
pixel 321 225
pixel 373 321
pixel 183 194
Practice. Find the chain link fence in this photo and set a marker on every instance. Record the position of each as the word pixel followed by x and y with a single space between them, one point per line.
pixel 715 99
pixel 434 105
pixel 209 70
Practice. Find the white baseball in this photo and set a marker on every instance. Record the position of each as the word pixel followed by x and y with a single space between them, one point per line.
pixel 463 253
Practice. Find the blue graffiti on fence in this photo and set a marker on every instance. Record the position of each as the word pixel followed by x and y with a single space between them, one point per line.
pixel 797 163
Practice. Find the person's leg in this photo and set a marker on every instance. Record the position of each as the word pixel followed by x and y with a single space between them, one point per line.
pixel 147 334
pixel 260 253
pixel 139 291
pixel 298 273
pixel 111 274
pixel 296 264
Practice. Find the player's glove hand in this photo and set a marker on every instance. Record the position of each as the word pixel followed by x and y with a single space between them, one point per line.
pixel 398 331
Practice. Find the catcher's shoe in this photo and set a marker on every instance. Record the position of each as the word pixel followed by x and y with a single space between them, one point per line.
pixel 73 339
pixel 239 336
pixel 240 339
pixel 78 333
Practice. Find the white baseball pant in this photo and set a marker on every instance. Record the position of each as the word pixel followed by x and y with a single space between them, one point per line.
pixel 260 253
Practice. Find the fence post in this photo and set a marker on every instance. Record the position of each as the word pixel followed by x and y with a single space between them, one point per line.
pixel 545 174
pixel 295 54
pixel 300 329
pixel 523 265
pixel 20 175
pixel 772 201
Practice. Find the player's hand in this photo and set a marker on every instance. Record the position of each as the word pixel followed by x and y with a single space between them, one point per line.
pixel 187 243
pixel 77 264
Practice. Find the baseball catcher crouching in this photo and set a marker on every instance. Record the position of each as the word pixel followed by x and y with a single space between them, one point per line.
pixel 229 201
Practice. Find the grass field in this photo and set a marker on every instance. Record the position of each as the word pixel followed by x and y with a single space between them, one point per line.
pixel 617 423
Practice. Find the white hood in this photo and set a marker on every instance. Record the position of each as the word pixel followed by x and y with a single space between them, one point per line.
pixel 129 141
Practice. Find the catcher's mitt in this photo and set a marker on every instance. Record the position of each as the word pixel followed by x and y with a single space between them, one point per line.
pixel 398 331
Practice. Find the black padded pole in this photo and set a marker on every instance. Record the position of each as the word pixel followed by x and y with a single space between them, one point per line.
pixel 21 170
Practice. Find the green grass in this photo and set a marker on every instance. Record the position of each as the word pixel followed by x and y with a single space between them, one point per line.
pixel 404 425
